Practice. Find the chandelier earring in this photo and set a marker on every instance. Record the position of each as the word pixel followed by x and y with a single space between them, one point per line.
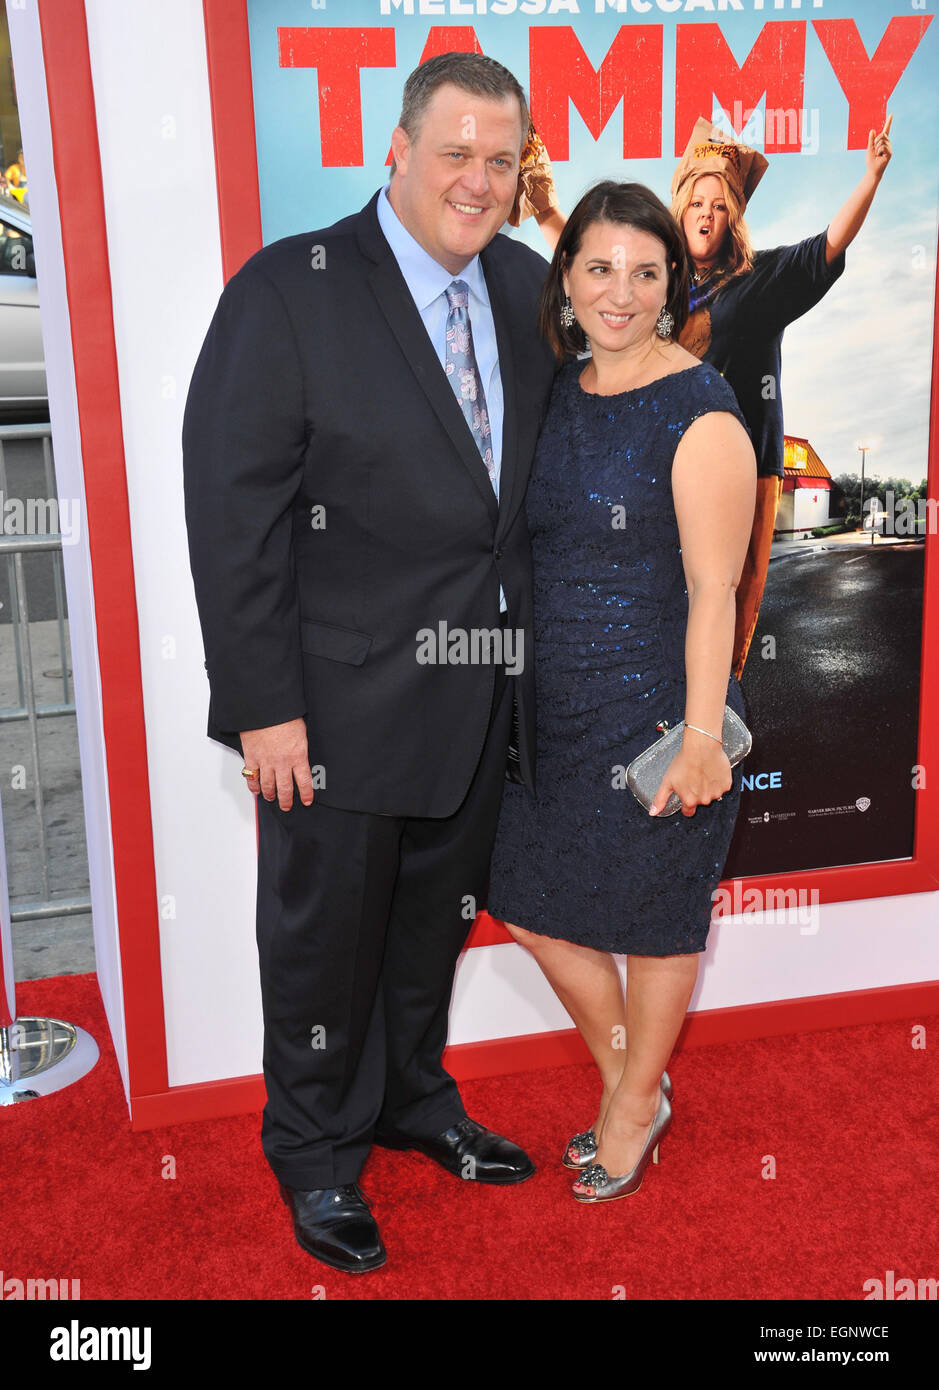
pixel 664 323
pixel 567 313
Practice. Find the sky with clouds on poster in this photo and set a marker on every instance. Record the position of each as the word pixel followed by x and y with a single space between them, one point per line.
pixel 856 367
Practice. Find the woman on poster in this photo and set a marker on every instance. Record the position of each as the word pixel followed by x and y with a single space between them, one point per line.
pixel 741 302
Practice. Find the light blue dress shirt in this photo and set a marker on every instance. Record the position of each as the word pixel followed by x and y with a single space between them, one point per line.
pixel 428 281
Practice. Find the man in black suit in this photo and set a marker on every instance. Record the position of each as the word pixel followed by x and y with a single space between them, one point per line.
pixel 357 441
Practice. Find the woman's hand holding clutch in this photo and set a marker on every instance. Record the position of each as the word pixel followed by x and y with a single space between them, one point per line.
pixel 698 774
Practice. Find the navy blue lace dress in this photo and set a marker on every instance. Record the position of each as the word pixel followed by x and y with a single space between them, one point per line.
pixel 583 861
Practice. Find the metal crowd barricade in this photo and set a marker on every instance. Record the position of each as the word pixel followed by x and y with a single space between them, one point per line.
pixel 37 1055
pixel 13 548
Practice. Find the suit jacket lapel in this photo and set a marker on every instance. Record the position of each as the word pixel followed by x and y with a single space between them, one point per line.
pixel 394 300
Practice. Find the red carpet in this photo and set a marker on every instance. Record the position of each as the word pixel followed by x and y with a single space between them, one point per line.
pixel 848 1115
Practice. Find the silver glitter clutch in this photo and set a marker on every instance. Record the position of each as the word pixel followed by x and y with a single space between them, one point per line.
pixel 644 774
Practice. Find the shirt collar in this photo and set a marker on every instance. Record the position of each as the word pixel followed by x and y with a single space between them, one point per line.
pixel 426 278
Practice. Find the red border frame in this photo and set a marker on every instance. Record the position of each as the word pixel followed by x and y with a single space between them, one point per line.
pixel 84 239
pixel 76 160
pixel 240 1095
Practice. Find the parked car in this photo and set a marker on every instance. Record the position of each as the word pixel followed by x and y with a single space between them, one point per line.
pixel 22 364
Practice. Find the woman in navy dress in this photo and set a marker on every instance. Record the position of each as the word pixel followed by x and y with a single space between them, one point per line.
pixel 640 507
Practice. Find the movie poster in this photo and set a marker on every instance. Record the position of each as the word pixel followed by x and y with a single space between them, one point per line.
pixel 616 87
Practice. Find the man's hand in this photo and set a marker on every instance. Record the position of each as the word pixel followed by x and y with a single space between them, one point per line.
pixel 280 756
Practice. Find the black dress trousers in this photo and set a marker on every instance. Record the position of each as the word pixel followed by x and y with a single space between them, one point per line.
pixel 360 921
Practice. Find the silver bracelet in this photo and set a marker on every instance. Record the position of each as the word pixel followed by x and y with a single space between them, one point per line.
pixel 703 731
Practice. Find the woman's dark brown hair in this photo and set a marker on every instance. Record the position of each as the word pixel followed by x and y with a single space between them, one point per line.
pixel 631 205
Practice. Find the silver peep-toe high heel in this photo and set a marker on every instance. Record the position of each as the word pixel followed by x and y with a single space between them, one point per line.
pixel 584 1145
pixel 603 1188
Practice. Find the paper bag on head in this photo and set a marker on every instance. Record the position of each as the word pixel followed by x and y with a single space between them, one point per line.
pixel 711 151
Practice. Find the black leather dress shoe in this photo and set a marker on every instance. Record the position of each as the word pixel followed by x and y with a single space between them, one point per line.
pixel 469 1150
pixel 335 1225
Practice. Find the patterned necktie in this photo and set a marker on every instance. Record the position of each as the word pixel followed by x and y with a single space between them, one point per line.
pixel 464 374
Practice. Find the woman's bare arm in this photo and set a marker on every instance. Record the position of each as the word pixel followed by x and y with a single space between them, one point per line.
pixel 714 490
pixel 849 219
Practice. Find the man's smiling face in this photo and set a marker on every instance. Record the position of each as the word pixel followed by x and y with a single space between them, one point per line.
pixel 455 179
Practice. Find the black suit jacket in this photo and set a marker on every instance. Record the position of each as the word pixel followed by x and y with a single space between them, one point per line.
pixel 337 504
